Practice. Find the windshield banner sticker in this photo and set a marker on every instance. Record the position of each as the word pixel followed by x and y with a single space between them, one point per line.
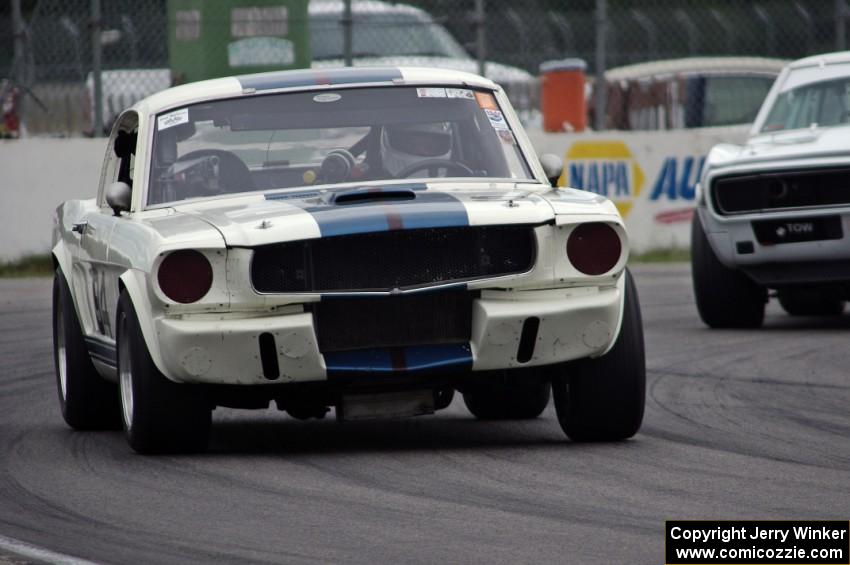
pixel 486 101
pixel 431 92
pixel 460 93
pixel 172 119
pixel 507 136
pixel 497 120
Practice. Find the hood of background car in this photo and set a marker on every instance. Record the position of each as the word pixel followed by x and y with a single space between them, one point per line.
pixel 273 217
pixel 798 143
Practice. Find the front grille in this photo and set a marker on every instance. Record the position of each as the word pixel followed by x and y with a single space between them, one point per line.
pixel 384 261
pixel 780 191
pixel 429 318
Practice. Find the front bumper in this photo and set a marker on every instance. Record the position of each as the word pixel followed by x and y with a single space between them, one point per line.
pixel 736 245
pixel 573 323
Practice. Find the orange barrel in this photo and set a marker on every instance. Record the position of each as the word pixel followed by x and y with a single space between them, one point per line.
pixel 562 95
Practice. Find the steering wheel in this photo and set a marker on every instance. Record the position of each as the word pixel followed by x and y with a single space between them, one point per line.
pixel 432 165
pixel 234 174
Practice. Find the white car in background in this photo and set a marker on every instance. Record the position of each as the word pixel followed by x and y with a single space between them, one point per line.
pixel 384 35
pixel 369 239
pixel 774 214
pixel 394 35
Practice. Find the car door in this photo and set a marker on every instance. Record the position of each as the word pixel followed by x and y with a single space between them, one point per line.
pixel 98 284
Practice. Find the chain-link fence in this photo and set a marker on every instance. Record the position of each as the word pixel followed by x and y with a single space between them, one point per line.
pixel 58 57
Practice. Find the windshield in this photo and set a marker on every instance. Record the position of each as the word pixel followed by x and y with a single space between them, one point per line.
pixel 331 137
pixel 822 104
pixel 382 35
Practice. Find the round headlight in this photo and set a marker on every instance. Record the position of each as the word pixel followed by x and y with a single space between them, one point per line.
pixel 594 248
pixel 185 276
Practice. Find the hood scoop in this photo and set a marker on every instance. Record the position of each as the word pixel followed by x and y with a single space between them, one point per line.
pixel 371 195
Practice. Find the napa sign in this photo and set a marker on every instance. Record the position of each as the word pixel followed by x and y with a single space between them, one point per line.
pixel 650 176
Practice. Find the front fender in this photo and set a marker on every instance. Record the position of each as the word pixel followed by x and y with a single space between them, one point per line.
pixel 134 283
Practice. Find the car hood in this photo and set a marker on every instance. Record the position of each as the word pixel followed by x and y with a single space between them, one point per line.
pixel 253 220
pixel 784 146
pixel 496 72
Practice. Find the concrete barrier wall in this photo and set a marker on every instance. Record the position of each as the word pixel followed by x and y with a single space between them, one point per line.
pixel 650 175
pixel 36 175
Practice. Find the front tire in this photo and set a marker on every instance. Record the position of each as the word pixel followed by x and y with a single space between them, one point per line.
pixel 160 416
pixel 603 399
pixel 725 298
pixel 88 401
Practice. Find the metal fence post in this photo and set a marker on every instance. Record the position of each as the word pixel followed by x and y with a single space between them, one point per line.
pixel 18 34
pixel 481 36
pixel 600 90
pixel 18 74
pixel 347 35
pixel 840 25
pixel 97 47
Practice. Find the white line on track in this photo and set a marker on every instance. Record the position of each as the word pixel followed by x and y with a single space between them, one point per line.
pixel 29 551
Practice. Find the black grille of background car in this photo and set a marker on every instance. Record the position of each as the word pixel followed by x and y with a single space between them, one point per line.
pixel 384 261
pixel 779 191
pixel 394 321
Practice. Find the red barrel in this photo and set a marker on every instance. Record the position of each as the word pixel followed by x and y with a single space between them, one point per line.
pixel 562 95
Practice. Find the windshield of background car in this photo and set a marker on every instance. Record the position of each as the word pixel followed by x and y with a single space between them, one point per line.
pixel 330 137
pixel 382 35
pixel 733 99
pixel 823 104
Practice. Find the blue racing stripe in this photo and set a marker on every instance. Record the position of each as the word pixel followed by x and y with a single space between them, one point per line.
pixel 411 359
pixel 359 361
pixel 438 357
pixel 435 210
pixel 429 209
pixel 314 77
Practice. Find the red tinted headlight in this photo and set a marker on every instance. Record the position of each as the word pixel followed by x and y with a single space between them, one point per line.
pixel 594 248
pixel 185 276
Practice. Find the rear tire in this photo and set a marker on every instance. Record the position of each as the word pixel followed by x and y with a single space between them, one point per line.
pixel 160 416
pixel 808 302
pixel 518 397
pixel 88 401
pixel 603 399
pixel 725 298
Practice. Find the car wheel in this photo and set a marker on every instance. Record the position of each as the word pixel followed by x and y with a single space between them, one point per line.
pixel 88 401
pixel 725 298
pixel 807 302
pixel 159 416
pixel 519 396
pixel 602 399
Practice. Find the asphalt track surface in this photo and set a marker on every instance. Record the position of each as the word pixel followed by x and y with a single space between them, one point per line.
pixel 739 424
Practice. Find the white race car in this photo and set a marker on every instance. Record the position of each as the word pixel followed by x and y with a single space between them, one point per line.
pixel 369 239
pixel 775 213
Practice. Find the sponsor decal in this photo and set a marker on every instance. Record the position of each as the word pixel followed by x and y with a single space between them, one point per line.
pixel 459 93
pixel 610 169
pixel 604 167
pixel 497 120
pixel 172 119
pixel 326 97
pixel 486 101
pixel 677 179
pixel 431 92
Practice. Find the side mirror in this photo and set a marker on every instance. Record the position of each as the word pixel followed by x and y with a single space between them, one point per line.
pixel 552 166
pixel 118 197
